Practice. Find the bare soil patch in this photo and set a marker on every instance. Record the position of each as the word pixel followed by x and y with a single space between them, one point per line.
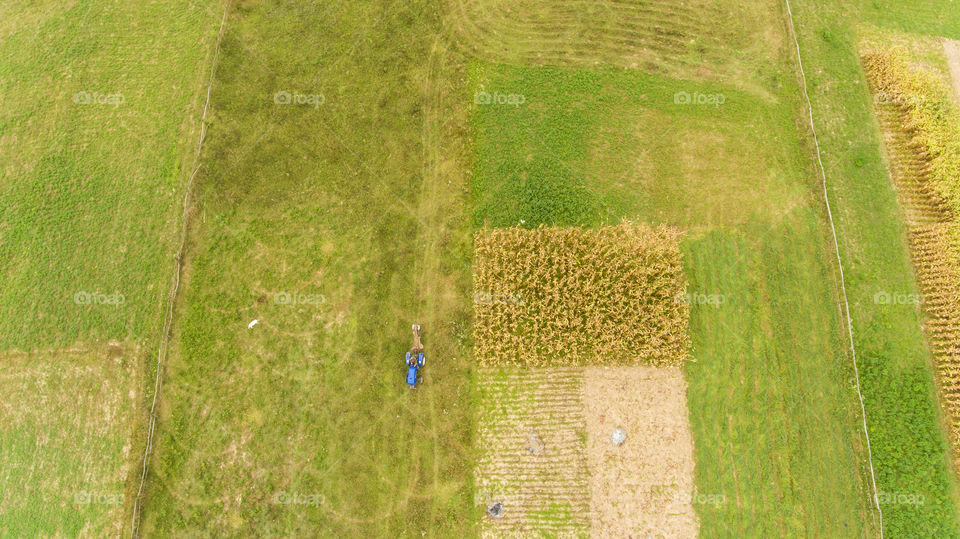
pixel 644 487
pixel 546 453
pixel 951 49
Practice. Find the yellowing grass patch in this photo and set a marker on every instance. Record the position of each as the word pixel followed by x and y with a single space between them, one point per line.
pixel 575 296
pixel 67 440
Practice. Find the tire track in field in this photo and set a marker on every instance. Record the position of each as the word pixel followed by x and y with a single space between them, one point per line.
pixel 438 209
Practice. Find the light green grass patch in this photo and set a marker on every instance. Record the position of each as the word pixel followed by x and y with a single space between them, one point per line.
pixel 97 99
pixel 589 147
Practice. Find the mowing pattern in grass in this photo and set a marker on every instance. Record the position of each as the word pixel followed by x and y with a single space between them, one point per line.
pixel 690 38
pixel 532 440
pixel 95 99
pixel 933 234
pixel 573 296
pixel 316 220
pixel 66 422
pixel 774 431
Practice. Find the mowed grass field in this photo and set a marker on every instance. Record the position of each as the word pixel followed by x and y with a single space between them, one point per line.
pixel 98 113
pixel 96 120
pixel 355 206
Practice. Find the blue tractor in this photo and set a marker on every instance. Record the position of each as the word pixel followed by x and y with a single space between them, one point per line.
pixel 414 358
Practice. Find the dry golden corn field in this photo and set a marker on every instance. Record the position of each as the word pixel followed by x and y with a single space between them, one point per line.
pixel 575 296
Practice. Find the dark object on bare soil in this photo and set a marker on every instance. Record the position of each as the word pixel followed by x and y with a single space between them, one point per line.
pixel 536 444
pixel 495 510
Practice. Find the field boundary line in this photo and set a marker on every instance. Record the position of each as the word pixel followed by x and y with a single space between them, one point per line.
pixel 175 286
pixel 843 284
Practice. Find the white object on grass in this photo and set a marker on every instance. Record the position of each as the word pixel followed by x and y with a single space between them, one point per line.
pixel 251 324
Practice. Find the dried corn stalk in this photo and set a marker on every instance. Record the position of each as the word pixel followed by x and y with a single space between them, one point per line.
pixel 574 296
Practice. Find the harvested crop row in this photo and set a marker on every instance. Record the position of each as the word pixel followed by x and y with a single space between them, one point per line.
pixel 577 296
pixel 929 118
pixel 933 230
pixel 533 459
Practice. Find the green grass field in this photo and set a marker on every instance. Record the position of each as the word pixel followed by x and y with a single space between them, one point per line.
pixel 97 118
pixel 355 206
pixel 90 190
pixel 349 158
pixel 909 445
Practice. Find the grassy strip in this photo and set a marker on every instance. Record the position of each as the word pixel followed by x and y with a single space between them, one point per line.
pixel 320 218
pixel 930 17
pixel 909 446
pixel 93 124
pixel 770 393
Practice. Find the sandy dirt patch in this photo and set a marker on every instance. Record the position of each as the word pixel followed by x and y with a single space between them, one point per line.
pixel 951 49
pixel 644 487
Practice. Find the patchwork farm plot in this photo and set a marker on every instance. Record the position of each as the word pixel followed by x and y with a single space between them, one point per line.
pixel 604 215
pixel 548 299
pixel 591 147
pixel 547 458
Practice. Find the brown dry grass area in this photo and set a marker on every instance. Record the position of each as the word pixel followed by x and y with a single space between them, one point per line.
pixel 543 491
pixel 951 50
pixel 67 434
pixel 575 296
pixel 644 485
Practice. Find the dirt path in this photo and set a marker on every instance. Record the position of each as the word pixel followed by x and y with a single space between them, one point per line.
pixel 951 49
pixel 440 210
